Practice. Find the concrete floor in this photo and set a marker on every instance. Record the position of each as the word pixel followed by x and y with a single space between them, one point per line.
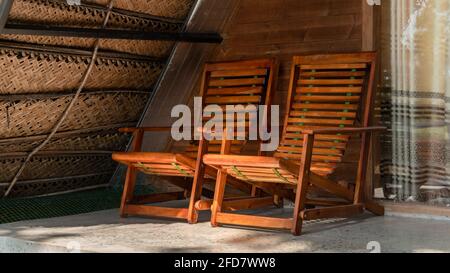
pixel 105 232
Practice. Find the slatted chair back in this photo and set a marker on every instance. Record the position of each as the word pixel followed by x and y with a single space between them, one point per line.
pixel 223 84
pixel 326 91
pixel 238 83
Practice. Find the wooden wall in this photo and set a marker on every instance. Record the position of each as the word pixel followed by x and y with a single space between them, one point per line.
pixel 283 28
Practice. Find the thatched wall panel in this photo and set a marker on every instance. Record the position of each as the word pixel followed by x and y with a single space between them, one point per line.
pixel 40 74
pixel 167 8
pixel 52 186
pixel 36 117
pixel 158 49
pixel 53 165
pixel 26 72
pixel 58 13
pixel 105 141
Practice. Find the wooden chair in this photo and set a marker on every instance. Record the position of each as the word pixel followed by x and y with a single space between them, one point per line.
pixel 225 83
pixel 330 98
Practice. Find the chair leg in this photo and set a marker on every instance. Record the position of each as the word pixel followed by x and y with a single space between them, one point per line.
pixel 299 207
pixel 256 192
pixel 196 194
pixel 218 197
pixel 128 190
pixel 197 184
pixel 302 184
pixel 278 201
pixel 362 169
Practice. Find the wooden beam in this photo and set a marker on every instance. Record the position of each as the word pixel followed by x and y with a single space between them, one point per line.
pixel 249 203
pixel 254 221
pixel 279 189
pixel 374 207
pixel 238 160
pixel 415 209
pixel 138 210
pixel 368 41
pixel 371 33
pixel 332 212
pixel 144 157
pixel 5 8
pixel 239 203
pixel 97 33
pixel 347 130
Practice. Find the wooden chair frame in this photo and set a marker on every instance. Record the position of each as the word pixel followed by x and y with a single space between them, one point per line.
pixel 132 205
pixel 306 178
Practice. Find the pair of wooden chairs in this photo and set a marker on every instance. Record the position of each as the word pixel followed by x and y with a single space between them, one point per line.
pixel 330 98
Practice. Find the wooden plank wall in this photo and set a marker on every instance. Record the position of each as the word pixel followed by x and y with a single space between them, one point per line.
pixel 283 28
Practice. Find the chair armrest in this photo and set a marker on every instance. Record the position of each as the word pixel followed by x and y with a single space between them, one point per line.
pixel 344 130
pixel 145 129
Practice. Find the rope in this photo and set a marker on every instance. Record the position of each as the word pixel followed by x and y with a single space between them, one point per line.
pixel 277 173
pixel 179 169
pixel 238 173
pixel 148 170
pixel 69 107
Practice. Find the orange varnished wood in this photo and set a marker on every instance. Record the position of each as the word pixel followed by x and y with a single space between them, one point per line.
pixel 328 104
pixel 240 203
pixel 332 212
pixel 142 210
pixel 225 83
pixel 253 221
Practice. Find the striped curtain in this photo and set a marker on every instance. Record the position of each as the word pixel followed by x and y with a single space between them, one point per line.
pixel 415 101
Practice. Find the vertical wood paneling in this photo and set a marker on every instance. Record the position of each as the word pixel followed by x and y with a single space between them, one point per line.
pixel 283 28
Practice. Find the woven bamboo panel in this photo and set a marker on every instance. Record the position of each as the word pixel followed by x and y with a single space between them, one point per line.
pixel 23 71
pixel 54 165
pixel 41 187
pixel 36 117
pixel 158 49
pixel 102 140
pixel 166 8
pixel 38 74
pixel 58 13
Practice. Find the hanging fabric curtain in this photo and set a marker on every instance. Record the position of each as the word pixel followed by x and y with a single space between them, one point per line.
pixel 415 101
